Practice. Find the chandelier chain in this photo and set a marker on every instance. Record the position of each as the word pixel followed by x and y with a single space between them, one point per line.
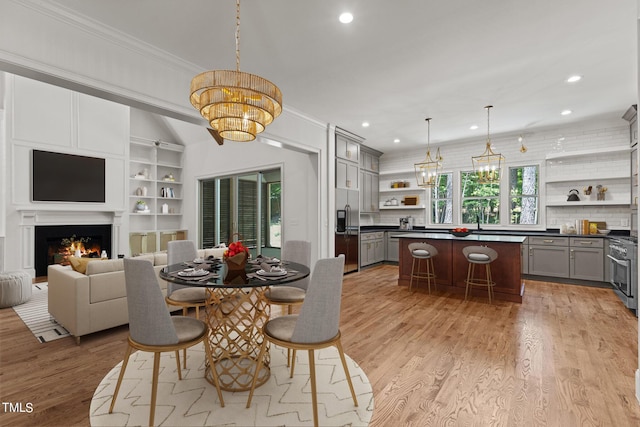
pixel 488 107
pixel 237 35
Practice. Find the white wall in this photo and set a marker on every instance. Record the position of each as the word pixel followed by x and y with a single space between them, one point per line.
pixel 40 116
pixel 303 159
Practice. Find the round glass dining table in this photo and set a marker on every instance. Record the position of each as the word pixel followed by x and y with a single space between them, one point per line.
pixel 236 312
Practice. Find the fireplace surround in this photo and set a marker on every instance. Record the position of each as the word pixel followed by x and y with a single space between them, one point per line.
pixel 55 243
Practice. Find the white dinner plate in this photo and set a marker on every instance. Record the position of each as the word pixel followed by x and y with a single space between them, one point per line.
pixel 271 273
pixel 193 273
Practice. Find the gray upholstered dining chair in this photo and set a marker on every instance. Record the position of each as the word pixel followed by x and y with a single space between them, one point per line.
pixel 316 327
pixel 184 296
pixel 153 329
pixel 298 251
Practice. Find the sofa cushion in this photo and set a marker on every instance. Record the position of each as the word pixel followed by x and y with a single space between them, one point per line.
pixel 106 266
pixel 160 258
pixel 80 264
pixel 148 257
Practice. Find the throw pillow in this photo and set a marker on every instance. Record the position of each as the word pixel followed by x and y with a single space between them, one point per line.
pixel 79 264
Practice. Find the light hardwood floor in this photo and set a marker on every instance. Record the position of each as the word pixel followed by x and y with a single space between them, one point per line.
pixel 566 356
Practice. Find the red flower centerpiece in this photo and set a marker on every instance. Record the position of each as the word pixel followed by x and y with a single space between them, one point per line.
pixel 236 259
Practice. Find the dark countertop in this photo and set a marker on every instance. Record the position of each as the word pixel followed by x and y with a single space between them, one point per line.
pixel 551 232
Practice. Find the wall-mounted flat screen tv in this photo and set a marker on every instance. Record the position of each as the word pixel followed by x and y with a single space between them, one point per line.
pixel 59 177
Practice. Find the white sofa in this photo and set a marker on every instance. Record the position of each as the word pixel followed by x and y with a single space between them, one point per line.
pixel 97 300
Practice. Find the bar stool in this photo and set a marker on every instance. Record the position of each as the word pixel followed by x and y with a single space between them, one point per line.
pixel 479 255
pixel 422 251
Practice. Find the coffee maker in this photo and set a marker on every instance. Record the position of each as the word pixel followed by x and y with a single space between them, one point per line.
pixel 406 223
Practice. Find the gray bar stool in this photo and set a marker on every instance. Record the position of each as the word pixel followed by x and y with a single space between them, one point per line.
pixel 422 251
pixel 479 255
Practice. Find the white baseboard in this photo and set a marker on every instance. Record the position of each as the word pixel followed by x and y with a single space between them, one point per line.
pixel 638 385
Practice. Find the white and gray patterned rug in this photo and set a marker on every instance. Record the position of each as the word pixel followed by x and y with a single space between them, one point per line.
pixel 281 401
pixel 35 314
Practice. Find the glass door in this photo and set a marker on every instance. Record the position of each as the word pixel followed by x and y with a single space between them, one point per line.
pixel 243 207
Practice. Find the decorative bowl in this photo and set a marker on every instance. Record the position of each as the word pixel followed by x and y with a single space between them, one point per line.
pixel 460 233
pixel 605 232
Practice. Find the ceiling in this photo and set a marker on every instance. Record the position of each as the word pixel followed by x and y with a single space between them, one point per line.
pixel 401 61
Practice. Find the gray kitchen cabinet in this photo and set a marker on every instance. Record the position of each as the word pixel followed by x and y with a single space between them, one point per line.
pixel 549 256
pixel 347 175
pixel 586 259
pixel 371 248
pixel 347 149
pixel 392 248
pixel 369 194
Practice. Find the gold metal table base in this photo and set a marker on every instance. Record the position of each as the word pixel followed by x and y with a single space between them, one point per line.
pixel 235 332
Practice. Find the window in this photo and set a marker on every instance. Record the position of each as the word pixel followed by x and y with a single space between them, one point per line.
pixel 523 195
pixel 480 202
pixel 245 207
pixel 442 200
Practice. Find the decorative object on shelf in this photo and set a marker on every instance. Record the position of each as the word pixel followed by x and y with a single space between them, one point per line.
pixel 165 208
pixel 427 170
pixel 523 149
pixel 168 177
pixel 601 191
pixel 141 206
pixel 104 254
pixel 410 200
pixel 587 190
pixel 237 105
pixel 573 196
pixel 488 165
pixel 167 192
pixel 460 232
pixel 139 191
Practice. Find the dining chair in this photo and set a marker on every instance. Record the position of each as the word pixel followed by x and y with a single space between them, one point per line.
pixel 298 251
pixel 179 295
pixel 153 329
pixel 314 328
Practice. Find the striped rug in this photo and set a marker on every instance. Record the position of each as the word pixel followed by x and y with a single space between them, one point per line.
pixel 35 314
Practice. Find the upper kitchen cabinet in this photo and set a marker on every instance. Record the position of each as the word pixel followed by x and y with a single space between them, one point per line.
pixel 347 160
pixel 631 115
pixel 347 148
pixel 369 178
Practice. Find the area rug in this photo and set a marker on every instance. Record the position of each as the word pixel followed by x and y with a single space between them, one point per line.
pixel 281 401
pixel 35 314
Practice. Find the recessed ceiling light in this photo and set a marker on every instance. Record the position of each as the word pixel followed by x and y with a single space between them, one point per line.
pixel 345 17
pixel 473 127
pixel 574 79
pixel 566 112
pixel 396 141
pixel 365 124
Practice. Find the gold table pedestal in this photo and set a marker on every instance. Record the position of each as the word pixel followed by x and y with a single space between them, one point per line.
pixel 235 320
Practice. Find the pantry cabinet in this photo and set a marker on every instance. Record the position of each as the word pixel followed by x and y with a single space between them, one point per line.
pixel 347 175
pixel 369 194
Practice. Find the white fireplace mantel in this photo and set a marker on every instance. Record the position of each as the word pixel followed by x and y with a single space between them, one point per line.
pixel 32 216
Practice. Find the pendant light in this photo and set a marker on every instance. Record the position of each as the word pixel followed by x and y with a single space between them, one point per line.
pixel 488 165
pixel 427 170
pixel 237 105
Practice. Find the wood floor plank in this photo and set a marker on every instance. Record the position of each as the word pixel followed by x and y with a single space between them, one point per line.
pixel 566 356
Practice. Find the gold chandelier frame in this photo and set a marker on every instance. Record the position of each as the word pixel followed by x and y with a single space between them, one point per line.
pixel 427 170
pixel 488 165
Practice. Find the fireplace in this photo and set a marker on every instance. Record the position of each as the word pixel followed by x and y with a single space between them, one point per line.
pixel 55 243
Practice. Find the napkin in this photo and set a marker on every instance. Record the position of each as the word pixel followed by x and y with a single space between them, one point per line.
pixel 270 268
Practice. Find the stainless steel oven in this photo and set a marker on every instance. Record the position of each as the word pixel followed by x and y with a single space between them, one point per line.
pixel 623 263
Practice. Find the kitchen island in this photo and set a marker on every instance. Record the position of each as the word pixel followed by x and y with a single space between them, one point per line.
pixel 450 265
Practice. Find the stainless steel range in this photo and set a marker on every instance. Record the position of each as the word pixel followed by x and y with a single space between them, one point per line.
pixel 623 260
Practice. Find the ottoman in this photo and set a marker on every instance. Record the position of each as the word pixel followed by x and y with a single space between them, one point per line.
pixel 15 288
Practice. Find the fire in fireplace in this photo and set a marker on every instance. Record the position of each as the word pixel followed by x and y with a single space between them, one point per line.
pixel 55 244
